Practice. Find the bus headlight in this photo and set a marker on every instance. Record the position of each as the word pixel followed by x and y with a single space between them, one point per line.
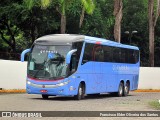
pixel 64 83
pixel 28 82
pixel 60 84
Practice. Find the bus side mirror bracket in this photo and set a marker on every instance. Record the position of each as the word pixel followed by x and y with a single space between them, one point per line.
pixel 69 54
pixel 23 54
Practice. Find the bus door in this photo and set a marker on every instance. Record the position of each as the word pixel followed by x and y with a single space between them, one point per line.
pixel 98 58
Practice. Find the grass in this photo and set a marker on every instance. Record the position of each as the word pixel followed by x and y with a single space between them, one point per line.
pixel 155 105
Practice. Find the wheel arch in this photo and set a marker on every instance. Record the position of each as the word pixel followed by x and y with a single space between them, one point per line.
pixel 122 81
pixel 84 85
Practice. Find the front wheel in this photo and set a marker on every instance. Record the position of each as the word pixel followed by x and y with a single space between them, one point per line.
pixel 45 96
pixel 81 92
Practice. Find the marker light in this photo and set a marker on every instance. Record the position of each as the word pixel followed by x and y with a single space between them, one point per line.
pixel 98 42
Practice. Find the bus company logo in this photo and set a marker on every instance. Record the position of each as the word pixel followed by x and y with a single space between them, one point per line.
pixel 119 67
pixel 43 86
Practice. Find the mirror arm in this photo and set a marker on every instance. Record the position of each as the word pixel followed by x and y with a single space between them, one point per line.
pixel 69 54
pixel 23 54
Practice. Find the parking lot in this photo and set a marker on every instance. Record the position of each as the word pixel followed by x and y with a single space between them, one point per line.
pixel 136 101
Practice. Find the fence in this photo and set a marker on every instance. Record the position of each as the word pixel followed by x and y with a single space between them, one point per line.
pixel 13 76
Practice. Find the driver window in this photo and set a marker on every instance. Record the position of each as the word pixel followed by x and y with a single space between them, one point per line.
pixel 73 63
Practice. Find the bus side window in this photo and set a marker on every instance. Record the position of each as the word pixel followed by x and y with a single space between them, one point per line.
pixel 78 46
pixel 136 56
pixel 126 56
pixel 108 53
pixel 131 56
pixel 123 54
pixel 116 55
pixel 98 53
pixel 87 56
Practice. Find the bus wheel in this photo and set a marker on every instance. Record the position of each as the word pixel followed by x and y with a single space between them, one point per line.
pixel 80 94
pixel 126 89
pixel 120 90
pixel 45 96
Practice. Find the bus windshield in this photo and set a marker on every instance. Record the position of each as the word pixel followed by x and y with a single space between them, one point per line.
pixel 48 62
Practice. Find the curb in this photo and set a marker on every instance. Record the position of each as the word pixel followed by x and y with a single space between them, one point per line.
pixel 13 91
pixel 147 90
pixel 24 90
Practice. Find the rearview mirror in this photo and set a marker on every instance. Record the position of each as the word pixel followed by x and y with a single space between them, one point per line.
pixel 24 53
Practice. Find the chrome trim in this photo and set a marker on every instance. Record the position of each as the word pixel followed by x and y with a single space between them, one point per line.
pixel 48 86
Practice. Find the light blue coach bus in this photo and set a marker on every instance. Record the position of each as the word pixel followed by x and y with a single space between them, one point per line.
pixel 77 65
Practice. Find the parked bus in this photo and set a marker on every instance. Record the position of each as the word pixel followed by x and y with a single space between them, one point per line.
pixel 77 65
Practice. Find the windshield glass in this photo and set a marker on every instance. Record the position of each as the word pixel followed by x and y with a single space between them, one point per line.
pixel 48 62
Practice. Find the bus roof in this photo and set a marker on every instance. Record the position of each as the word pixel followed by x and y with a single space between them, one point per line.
pixel 108 42
pixel 60 39
pixel 67 39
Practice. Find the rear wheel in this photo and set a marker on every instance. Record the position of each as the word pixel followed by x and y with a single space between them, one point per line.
pixel 120 90
pixel 45 96
pixel 126 89
pixel 81 92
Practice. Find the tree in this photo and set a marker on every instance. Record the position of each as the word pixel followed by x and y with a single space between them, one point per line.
pixel 88 6
pixel 101 23
pixel 9 31
pixel 61 7
pixel 135 19
pixel 152 23
pixel 118 5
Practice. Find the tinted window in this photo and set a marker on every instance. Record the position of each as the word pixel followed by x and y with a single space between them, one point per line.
pixel 120 55
pixel 108 53
pixel 102 53
pixel 78 46
pixel 88 53
pixel 98 53
pixel 136 56
pixel 116 54
pixel 131 56
pixel 123 55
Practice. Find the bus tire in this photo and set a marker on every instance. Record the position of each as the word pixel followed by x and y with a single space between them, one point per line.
pixel 126 89
pixel 45 96
pixel 80 95
pixel 120 90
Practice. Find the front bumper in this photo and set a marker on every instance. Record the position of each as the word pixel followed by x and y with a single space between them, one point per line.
pixel 60 88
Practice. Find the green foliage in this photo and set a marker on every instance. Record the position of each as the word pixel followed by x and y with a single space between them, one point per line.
pixel 9 16
pixel 22 21
pixel 135 17
pixel 88 5
pixel 45 3
pixel 101 22
pixel 29 4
